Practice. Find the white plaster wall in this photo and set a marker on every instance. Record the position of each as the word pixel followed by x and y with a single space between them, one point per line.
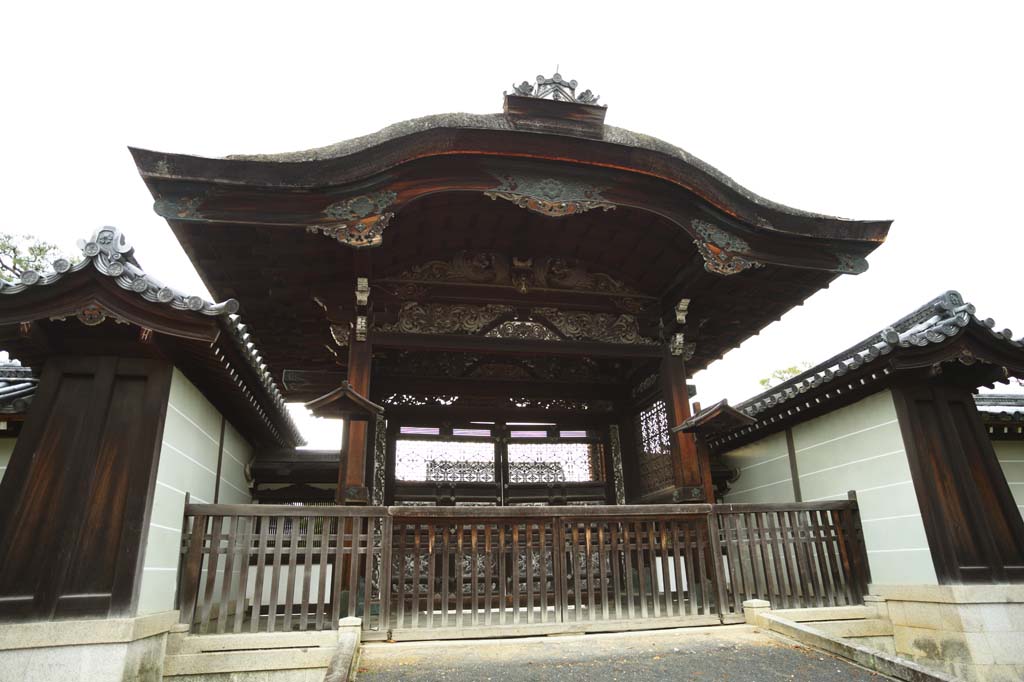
pixel 1010 454
pixel 860 447
pixel 765 474
pixel 6 448
pixel 188 464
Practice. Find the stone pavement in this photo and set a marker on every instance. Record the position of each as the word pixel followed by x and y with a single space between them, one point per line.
pixel 735 653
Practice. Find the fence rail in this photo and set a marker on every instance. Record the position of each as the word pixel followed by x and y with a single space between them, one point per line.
pixel 419 572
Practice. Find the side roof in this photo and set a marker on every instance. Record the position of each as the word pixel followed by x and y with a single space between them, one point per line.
pixel 224 354
pixel 867 366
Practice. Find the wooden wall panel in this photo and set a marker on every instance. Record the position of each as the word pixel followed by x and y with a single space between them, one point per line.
pixel 970 517
pixel 74 503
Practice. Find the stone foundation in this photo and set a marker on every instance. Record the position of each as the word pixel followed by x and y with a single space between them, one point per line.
pixel 975 632
pixel 108 650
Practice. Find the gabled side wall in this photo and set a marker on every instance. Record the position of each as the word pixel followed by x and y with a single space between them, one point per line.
pixel 1010 454
pixel 858 447
pixel 6 448
pixel 188 464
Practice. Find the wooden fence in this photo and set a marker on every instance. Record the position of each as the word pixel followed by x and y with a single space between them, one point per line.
pixel 442 572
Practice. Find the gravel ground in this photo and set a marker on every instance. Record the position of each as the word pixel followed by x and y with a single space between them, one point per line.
pixel 736 653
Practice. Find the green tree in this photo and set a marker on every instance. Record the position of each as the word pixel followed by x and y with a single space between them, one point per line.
pixel 19 253
pixel 782 375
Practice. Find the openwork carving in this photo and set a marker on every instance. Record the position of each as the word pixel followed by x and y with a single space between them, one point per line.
pixel 555 88
pixel 361 220
pixel 380 455
pixel 415 460
pixel 443 318
pixel 618 478
pixel 723 253
pixel 549 196
pixel 411 400
pixel 550 403
pixel 603 327
pixel 655 473
pixel 548 324
pixel 523 329
pixel 524 274
pixel 554 462
pixel 652 429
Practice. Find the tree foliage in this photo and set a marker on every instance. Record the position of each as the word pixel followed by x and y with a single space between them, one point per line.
pixel 19 253
pixel 782 375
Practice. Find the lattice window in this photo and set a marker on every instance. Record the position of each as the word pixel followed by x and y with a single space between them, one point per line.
pixel 652 429
pixel 451 461
pixel 554 462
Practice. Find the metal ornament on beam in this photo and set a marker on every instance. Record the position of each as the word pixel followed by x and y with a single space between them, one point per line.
pixel 723 253
pixel 361 219
pixel 678 347
pixel 548 196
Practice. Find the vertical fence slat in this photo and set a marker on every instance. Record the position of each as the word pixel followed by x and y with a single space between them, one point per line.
pixel 211 572
pixel 602 557
pixel 307 571
pixel 615 556
pixel 490 559
pixel 261 562
pixel 192 570
pixel 543 534
pixel 244 549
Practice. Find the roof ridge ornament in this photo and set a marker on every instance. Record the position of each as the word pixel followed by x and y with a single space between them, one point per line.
pixel 555 88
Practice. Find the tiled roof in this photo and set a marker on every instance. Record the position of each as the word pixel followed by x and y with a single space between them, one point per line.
pixel 938 320
pixel 17 386
pixel 1001 406
pixel 110 253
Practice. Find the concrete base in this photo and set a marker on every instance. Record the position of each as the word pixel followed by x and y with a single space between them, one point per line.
pixel 263 657
pixel 862 634
pixel 109 650
pixel 975 632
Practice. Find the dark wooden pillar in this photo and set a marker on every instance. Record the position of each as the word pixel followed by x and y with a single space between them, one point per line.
pixel 352 475
pixel 975 532
pixel 352 488
pixel 691 469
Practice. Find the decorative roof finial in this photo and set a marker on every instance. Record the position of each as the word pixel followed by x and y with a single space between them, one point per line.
pixel 555 88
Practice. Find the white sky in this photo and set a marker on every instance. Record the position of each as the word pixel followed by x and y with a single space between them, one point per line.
pixel 909 111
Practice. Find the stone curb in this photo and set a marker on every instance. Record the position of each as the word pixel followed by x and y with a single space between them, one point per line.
pixel 869 658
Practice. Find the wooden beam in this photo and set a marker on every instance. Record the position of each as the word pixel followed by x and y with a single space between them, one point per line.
pixel 452 342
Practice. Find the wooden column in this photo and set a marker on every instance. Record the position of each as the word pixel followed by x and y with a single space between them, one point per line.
pixel 352 472
pixel 691 467
pixel 352 469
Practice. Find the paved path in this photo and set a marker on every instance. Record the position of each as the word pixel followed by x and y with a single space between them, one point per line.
pixel 736 653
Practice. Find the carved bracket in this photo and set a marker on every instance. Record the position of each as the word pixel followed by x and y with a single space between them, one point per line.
pixel 549 196
pixel 360 221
